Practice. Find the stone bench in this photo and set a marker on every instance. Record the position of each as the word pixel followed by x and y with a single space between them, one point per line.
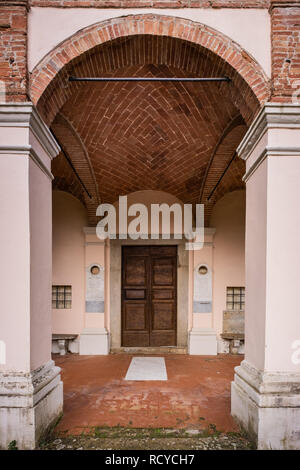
pixel 233 331
pixel 236 342
pixel 61 343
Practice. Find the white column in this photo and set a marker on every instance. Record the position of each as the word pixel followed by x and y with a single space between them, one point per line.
pixel 266 388
pixel 30 385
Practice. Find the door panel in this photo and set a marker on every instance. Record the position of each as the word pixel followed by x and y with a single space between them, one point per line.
pixel 164 301
pixel 162 272
pixel 135 315
pixel 162 294
pixel 149 296
pixel 132 294
pixel 163 315
pixel 135 271
pixel 135 296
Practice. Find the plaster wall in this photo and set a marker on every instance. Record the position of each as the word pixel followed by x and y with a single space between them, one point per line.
pixel 228 218
pixel 238 24
pixel 69 218
pixel 75 247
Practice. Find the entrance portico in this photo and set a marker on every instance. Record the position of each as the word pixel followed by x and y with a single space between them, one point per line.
pixel 178 140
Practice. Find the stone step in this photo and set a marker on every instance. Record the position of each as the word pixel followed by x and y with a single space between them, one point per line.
pixel 161 350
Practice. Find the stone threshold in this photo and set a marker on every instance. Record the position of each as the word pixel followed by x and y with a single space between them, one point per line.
pixel 161 350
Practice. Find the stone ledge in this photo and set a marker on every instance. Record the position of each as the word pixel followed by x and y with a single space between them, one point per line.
pixel 30 403
pixel 268 389
pixel 20 390
pixel 26 425
pixel 271 428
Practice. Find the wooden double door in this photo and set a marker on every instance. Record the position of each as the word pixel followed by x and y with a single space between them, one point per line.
pixel 149 296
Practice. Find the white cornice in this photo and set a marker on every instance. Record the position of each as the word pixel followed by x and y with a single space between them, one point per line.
pixel 34 156
pixel 26 115
pixel 29 151
pixel 271 116
pixel 271 152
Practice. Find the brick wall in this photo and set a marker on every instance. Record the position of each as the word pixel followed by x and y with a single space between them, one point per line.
pixel 13 49
pixel 285 21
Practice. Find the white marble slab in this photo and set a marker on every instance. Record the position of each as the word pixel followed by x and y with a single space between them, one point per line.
pixel 147 368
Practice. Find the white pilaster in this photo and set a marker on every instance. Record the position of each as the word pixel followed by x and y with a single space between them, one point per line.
pixel 265 392
pixel 30 386
pixel 94 338
pixel 202 339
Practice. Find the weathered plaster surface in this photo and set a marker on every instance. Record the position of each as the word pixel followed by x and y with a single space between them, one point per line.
pixel 50 26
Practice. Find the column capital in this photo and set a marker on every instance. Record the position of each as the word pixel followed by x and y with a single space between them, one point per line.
pixel 271 116
pixel 271 134
pixel 25 115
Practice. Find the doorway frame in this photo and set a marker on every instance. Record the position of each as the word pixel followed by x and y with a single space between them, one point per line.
pixel 149 291
pixel 116 287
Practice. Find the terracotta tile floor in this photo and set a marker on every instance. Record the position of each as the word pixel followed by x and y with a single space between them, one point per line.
pixel 196 394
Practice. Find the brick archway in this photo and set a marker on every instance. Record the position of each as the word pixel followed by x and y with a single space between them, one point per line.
pixel 248 78
pixel 70 142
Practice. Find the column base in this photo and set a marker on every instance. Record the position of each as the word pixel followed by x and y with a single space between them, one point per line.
pixel 94 341
pixel 202 342
pixel 29 405
pixel 267 406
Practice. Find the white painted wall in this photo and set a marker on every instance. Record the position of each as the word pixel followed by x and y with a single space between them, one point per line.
pixel 228 218
pixel 224 253
pixel 251 29
pixel 69 218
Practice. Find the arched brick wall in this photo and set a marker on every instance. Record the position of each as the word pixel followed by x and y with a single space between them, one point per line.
pixel 249 84
pixel 65 179
pixel 220 158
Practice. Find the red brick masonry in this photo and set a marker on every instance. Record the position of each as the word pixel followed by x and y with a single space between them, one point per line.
pixel 13 49
pixel 285 22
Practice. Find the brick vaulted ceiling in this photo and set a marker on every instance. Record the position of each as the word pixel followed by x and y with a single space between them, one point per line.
pixel 124 137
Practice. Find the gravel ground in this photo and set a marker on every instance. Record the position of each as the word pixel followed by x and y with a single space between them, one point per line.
pixel 148 439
